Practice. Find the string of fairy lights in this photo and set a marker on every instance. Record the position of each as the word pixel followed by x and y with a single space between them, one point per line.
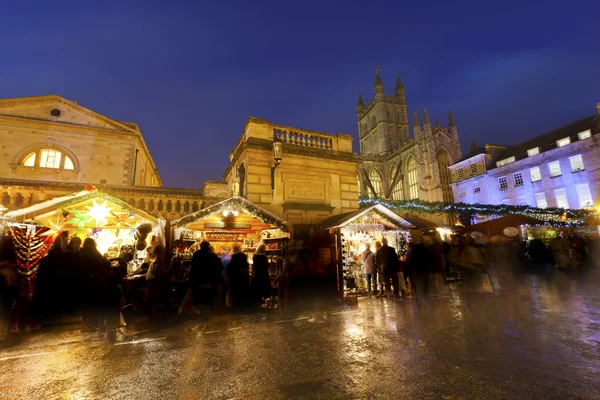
pixel 554 216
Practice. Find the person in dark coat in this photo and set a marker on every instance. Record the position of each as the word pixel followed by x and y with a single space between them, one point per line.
pixel 73 274
pixel 48 296
pixel 261 282
pixel 239 277
pixel 205 275
pixel 389 265
pixel 96 285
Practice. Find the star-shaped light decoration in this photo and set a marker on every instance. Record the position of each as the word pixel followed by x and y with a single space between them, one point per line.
pixel 98 212
pixel 121 220
pixel 81 219
pixel 55 228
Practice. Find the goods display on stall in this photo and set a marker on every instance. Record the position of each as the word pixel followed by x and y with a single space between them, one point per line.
pixel 356 230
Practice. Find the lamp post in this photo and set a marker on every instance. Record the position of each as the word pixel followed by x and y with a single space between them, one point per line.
pixel 277 156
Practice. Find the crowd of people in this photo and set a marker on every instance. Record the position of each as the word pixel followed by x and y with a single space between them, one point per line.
pixel 216 281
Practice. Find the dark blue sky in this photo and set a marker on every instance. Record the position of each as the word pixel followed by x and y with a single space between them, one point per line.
pixel 191 74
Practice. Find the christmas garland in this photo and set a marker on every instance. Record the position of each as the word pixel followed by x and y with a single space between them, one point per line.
pixel 555 216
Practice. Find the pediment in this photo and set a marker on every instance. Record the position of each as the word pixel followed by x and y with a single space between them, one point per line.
pixel 58 110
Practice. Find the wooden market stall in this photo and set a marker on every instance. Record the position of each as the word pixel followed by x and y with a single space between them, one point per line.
pixel 110 221
pixel 234 220
pixel 352 232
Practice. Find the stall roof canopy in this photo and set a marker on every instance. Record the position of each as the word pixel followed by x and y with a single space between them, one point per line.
pixel 496 226
pixel 339 221
pixel 419 223
pixel 70 200
pixel 238 203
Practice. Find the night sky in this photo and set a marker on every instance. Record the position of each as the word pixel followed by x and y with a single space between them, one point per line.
pixel 191 75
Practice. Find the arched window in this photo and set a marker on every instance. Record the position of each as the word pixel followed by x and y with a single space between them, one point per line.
pixel 48 158
pixel 375 178
pixel 443 161
pixel 413 178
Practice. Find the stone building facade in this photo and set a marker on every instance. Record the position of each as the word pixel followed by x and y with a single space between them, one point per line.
pixel 315 179
pixel 52 146
pixel 557 169
pixel 395 165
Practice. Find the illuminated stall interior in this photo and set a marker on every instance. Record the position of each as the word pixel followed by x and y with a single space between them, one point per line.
pixel 110 221
pixel 356 230
pixel 235 220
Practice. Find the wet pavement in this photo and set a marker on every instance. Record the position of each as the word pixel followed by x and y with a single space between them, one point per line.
pixel 537 338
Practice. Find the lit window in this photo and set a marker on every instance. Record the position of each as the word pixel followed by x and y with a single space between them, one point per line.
pixel 535 174
pixel 413 179
pixel 561 198
pixel 563 142
pixel 518 178
pixel 533 152
pixel 576 163
pixel 68 163
pixel 522 200
pixel 50 159
pixel 584 134
pixel 540 200
pixel 476 189
pixel 398 191
pixel 460 174
pixel 505 161
pixel 375 178
pixel 506 202
pixel 29 161
pixel 462 191
pixel 584 195
pixel 554 167
pixel 502 182
pixel 473 169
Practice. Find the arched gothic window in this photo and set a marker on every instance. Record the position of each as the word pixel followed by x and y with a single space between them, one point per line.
pixel 48 158
pixel 375 178
pixel 413 178
pixel 443 161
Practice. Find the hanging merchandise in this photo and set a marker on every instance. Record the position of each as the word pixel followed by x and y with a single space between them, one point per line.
pixel 31 245
pixel 141 235
pixel 98 212
pixel 80 219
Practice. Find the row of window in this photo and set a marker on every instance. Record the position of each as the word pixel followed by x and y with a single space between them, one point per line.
pixel 584 195
pixel 460 175
pixel 536 150
pixel 398 190
pixel 535 174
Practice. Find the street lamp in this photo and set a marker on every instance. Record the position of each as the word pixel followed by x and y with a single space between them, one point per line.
pixel 277 156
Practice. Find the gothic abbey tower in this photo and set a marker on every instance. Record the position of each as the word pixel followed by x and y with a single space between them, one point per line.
pixel 395 165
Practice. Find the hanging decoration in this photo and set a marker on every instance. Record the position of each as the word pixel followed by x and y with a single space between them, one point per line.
pixel 55 228
pixel 31 246
pixel 555 216
pixel 121 220
pixel 98 212
pixel 80 219
pixel 234 206
pixel 94 232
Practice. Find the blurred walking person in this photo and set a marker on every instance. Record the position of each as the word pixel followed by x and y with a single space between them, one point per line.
pixel 367 259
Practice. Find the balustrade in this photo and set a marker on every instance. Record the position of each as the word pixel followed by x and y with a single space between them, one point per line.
pixel 312 140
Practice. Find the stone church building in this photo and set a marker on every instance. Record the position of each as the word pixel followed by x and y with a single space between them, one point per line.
pixel 396 166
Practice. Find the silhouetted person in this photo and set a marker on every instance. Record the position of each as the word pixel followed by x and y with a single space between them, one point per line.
pixel 261 282
pixel 96 298
pixel 238 273
pixel 387 260
pixel 205 275
pixel 48 294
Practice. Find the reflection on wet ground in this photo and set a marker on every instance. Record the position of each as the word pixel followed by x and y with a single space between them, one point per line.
pixel 535 339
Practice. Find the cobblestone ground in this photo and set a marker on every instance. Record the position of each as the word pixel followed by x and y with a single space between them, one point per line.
pixel 537 338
